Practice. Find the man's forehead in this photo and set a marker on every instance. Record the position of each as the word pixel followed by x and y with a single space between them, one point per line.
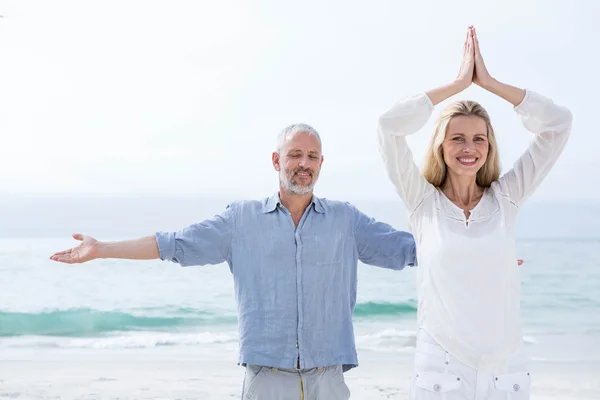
pixel 303 141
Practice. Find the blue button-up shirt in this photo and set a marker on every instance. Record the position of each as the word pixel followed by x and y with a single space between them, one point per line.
pixel 295 286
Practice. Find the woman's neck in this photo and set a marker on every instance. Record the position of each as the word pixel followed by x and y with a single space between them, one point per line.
pixel 462 190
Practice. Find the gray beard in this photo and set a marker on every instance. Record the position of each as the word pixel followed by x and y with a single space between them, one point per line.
pixel 293 188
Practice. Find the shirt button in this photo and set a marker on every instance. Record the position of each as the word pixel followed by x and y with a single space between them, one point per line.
pixel 437 388
pixel 516 387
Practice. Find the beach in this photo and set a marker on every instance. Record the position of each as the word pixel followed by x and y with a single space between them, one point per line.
pixel 163 376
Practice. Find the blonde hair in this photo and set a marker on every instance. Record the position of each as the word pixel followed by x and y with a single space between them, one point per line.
pixel 435 169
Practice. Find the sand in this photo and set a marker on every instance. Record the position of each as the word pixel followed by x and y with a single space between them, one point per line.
pixel 130 376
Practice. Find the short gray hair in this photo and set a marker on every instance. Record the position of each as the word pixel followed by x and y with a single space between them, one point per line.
pixel 291 130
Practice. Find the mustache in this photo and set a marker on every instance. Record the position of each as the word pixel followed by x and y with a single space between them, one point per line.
pixel 300 169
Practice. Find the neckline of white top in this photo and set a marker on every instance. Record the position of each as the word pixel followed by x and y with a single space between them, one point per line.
pixel 453 211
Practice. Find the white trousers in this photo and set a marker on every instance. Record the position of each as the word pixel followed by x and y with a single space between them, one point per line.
pixel 439 376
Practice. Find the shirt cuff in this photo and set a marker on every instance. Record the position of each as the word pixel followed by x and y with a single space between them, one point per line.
pixel 412 261
pixel 426 100
pixel 166 245
pixel 530 103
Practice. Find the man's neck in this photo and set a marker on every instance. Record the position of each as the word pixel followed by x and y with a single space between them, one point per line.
pixel 295 203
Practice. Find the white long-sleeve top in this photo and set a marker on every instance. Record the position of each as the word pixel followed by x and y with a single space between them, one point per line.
pixel 468 283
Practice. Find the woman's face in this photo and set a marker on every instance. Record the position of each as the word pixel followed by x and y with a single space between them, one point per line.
pixel 465 147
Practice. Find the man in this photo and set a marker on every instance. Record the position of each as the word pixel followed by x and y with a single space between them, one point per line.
pixel 293 258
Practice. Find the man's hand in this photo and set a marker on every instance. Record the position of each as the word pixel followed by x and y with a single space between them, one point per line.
pixel 86 251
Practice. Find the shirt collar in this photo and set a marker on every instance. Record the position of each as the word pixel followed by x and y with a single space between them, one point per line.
pixel 319 207
pixel 273 201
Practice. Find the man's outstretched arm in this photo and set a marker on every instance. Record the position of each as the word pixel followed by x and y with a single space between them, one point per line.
pixel 207 242
pixel 381 245
pixel 145 248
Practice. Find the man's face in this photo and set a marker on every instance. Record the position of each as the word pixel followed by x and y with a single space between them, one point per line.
pixel 299 162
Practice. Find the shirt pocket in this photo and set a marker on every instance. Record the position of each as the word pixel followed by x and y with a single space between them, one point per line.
pixel 329 249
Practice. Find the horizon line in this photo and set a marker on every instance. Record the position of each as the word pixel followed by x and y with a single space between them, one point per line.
pixel 233 196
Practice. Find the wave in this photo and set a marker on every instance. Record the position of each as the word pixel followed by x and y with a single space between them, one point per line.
pixel 380 309
pixel 388 340
pixel 403 341
pixel 81 322
pixel 529 340
pixel 89 322
pixel 125 340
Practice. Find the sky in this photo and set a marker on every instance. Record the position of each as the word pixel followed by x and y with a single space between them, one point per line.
pixel 120 98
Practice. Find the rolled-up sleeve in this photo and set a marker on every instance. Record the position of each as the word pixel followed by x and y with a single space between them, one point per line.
pixel 207 242
pixel 381 245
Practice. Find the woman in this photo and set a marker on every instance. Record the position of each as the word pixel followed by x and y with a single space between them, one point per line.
pixel 462 213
